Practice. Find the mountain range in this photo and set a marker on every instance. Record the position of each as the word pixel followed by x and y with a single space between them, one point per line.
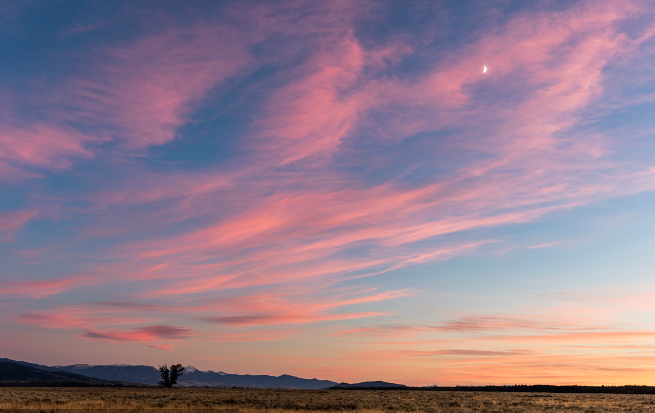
pixel 192 377
pixel 14 374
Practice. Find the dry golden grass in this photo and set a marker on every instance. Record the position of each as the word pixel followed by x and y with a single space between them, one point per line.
pixel 189 400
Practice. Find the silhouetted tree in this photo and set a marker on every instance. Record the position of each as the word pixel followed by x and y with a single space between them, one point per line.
pixel 176 371
pixel 169 376
pixel 165 379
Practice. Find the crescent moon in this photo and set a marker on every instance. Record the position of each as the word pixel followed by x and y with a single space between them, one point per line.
pixel 484 69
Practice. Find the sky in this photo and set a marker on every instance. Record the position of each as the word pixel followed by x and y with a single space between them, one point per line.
pixel 331 189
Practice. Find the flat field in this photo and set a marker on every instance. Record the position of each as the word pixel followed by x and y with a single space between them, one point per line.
pixel 22 399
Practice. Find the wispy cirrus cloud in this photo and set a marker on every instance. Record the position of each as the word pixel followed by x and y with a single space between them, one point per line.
pixel 141 92
pixel 353 161
pixel 134 96
pixel 529 348
pixel 38 147
pixel 316 215
pixel 144 334
pixel 167 347
pixel 484 323
pixel 43 288
pixel 308 223
pixel 94 324
pixel 79 317
pixel 226 320
pixel 11 222
pixel 266 309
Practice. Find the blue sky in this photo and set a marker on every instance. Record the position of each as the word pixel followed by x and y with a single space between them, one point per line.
pixel 331 190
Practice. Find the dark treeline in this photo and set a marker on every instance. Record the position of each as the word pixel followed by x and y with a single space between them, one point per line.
pixel 537 388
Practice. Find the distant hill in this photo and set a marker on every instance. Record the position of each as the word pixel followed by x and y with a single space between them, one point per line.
pixel 18 374
pixel 197 378
pixel 24 363
pixel 367 385
pixel 192 377
pixel 135 374
pixel 116 372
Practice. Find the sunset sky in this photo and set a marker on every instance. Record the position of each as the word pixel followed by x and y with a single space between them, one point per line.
pixel 331 189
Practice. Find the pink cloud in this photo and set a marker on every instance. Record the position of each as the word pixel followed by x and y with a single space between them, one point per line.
pixel 604 358
pixel 41 146
pixel 291 213
pixel 79 317
pixel 143 91
pixel 309 117
pixel 476 324
pixel 93 321
pixel 280 307
pixel 325 105
pixel 42 288
pixel 289 318
pixel 245 312
pixel 298 231
pixel 573 337
pixel 512 322
pixel 142 334
pixel 283 308
pixel 11 222
pixel 475 353
pixel 137 94
pixel 167 347
pixel 249 336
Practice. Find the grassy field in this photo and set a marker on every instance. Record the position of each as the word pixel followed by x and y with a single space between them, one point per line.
pixel 281 401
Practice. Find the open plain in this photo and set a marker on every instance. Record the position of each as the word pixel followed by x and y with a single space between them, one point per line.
pixel 281 401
